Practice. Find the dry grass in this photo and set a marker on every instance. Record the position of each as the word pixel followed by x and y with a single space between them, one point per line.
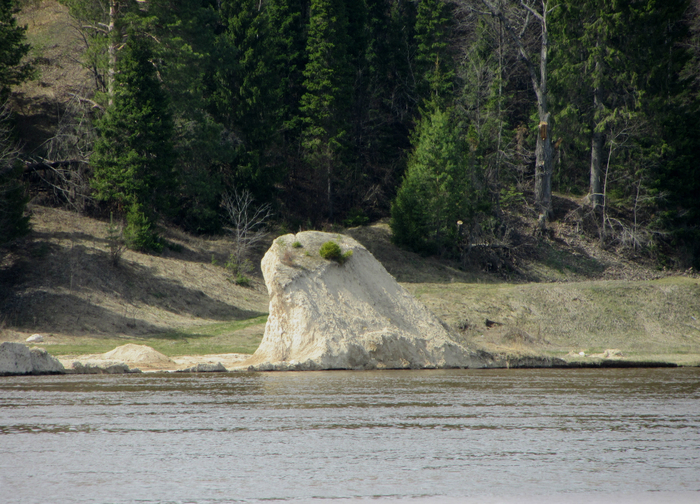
pixel 57 49
pixel 644 319
pixel 60 283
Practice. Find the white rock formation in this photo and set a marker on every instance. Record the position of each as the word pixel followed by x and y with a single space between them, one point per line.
pixel 35 338
pixel 326 315
pixel 18 359
pixel 44 363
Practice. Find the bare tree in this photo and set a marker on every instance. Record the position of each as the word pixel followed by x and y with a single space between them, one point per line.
pixel 247 227
pixel 63 173
pixel 515 17
pixel 8 149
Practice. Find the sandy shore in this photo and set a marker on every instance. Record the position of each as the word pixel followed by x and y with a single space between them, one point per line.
pixel 147 359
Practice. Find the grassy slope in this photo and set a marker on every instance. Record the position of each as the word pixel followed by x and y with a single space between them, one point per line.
pixel 60 283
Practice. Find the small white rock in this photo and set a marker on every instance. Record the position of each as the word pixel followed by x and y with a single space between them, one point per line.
pixel 582 354
pixel 35 338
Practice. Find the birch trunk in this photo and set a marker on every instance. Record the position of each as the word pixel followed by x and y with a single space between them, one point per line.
pixel 596 188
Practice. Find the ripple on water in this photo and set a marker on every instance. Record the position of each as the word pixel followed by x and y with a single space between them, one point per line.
pixel 417 436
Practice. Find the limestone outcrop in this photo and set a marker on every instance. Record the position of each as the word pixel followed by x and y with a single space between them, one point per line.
pixel 326 314
pixel 19 359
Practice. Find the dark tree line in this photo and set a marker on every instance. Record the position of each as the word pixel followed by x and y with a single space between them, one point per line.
pixel 438 114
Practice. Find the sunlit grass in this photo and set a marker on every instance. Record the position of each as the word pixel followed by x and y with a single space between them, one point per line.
pixel 222 337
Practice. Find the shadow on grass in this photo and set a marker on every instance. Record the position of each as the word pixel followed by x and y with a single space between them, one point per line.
pixel 209 331
pixel 65 291
pixel 570 262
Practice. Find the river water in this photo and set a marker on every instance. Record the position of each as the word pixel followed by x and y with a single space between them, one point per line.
pixel 487 436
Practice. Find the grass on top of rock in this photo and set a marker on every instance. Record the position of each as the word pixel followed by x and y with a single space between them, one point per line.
pixel 331 251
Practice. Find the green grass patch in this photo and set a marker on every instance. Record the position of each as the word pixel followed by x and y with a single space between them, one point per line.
pixel 222 337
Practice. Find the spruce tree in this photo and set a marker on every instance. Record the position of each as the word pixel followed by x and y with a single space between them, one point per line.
pixel 327 92
pixel 440 188
pixel 433 66
pixel 133 159
pixel 14 69
pixel 246 94
pixel 13 49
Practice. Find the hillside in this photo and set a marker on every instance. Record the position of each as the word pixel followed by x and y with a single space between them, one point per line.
pixel 59 282
pixel 554 293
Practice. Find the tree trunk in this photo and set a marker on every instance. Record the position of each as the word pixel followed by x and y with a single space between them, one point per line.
pixel 544 153
pixel 596 188
pixel 544 159
pixel 544 166
pixel 113 40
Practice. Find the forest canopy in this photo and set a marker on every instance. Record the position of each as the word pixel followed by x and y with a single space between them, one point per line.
pixel 441 115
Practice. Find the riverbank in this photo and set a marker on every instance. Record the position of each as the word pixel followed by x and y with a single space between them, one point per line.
pixel 558 301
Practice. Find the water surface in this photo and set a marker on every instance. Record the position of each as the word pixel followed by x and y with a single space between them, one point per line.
pixel 604 435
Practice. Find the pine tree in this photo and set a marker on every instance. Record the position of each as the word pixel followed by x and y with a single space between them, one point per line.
pixel 14 69
pixel 134 159
pixel 287 29
pixel 13 50
pixel 440 188
pixel 434 68
pixel 327 91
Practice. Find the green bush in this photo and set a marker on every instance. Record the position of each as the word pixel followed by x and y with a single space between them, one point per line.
pixel 356 217
pixel 297 244
pixel 242 280
pixel 331 251
pixel 139 234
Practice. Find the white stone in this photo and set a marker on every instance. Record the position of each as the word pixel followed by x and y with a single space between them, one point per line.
pixel 14 359
pixel 326 315
pixel 18 359
pixel 44 363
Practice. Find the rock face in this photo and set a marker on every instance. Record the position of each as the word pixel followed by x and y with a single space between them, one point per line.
pixel 327 315
pixel 19 359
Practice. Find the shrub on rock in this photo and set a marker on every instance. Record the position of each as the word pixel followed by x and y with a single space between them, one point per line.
pixel 331 251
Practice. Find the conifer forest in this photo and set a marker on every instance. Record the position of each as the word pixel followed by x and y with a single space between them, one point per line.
pixel 442 115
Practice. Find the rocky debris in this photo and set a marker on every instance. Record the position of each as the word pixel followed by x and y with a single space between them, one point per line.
pixel 204 368
pixel 19 359
pixel 103 367
pixel 35 338
pixel 131 358
pixel 349 314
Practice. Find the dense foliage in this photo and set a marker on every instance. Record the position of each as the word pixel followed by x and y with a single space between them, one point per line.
pixel 14 69
pixel 428 111
pixel 440 194
pixel 134 157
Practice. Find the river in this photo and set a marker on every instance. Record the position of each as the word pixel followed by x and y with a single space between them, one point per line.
pixel 486 436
